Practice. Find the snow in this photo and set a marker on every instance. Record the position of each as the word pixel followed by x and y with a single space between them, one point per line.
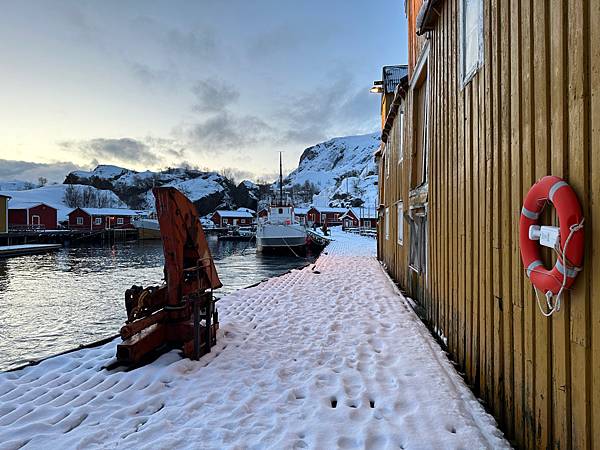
pixel 53 195
pixel 104 171
pixel 22 205
pixel 195 189
pixel 4 248
pixel 330 356
pixel 340 166
pixel 114 212
pixel 15 185
pixel 237 213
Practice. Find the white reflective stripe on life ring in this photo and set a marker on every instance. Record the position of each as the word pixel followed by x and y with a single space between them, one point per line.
pixel 571 273
pixel 530 214
pixel 555 187
pixel 532 266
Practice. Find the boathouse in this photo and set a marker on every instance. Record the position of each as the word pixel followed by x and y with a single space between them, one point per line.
pixel 263 213
pixel 240 217
pixel 102 218
pixel 318 215
pixel 4 213
pixel 24 216
pixel 349 220
pixel 360 217
pixel 300 214
pixel 498 95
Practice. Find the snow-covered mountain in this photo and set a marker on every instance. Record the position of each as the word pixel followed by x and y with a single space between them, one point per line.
pixel 208 190
pixel 54 195
pixel 342 169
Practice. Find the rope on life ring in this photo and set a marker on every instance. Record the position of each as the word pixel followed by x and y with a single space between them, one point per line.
pixel 569 249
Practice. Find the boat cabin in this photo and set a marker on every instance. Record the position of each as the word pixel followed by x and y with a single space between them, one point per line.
pixel 281 215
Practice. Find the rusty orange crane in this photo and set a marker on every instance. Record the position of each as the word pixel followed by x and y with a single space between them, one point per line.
pixel 180 313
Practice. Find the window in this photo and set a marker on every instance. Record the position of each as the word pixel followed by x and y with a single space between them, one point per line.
pixel 471 45
pixel 323 218
pixel 418 224
pixel 119 221
pixel 80 221
pixel 367 223
pixel 98 221
pixel 400 208
pixel 387 223
pixel 35 220
pixel 400 137
pixel 386 161
pixel 421 124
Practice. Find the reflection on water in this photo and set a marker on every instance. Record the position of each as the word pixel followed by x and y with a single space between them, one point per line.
pixel 56 301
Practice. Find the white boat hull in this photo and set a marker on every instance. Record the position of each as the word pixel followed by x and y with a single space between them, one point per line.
pixel 279 236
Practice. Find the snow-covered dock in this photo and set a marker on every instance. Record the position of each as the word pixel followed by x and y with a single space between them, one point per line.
pixel 330 356
pixel 26 249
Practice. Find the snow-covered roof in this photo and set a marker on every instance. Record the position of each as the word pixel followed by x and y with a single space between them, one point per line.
pixel 364 213
pixel 326 210
pixel 112 212
pixel 25 205
pixel 247 210
pixel 237 213
pixel 301 211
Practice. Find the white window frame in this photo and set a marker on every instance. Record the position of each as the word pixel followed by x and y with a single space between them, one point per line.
pixel 38 219
pixel 97 220
pixel 400 216
pixel 469 71
pixel 367 223
pixel 120 221
pixel 387 224
pixel 79 220
pixel 401 137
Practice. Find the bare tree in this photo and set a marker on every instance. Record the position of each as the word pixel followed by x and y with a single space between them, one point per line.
pixel 72 197
pixel 42 181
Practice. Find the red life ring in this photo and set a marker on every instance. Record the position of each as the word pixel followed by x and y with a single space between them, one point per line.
pixel 570 218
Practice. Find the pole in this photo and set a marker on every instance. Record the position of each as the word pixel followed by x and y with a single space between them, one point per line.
pixel 280 181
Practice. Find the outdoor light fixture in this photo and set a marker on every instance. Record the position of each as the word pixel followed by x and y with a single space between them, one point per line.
pixel 377 87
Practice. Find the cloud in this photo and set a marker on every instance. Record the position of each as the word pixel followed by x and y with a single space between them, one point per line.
pixel 199 44
pixel 125 150
pixel 341 108
pixel 213 95
pixel 31 171
pixel 224 131
pixel 149 75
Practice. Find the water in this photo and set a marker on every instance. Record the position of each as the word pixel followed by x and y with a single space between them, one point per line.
pixel 56 301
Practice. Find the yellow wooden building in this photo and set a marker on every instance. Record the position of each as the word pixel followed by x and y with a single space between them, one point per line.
pixel 499 93
pixel 4 213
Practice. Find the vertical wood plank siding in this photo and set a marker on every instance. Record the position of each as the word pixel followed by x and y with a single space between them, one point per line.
pixel 531 110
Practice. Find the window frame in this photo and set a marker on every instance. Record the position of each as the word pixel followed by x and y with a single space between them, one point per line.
pixel 97 220
pixel 467 73
pixel 79 220
pixel 387 223
pixel 400 217
pixel 401 138
pixel 120 221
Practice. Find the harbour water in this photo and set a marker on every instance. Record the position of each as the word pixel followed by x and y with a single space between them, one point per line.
pixel 54 302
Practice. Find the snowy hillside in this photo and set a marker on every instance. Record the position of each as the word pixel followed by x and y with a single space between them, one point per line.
pixel 208 190
pixel 54 195
pixel 343 169
pixel 15 185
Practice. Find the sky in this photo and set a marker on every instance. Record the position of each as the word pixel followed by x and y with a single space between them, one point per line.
pixel 211 84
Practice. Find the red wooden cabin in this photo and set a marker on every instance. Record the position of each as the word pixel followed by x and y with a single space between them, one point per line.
pixel 241 218
pixel 319 215
pixel 32 215
pixel 102 218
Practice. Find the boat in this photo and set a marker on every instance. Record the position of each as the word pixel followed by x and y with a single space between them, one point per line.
pixel 147 228
pixel 280 232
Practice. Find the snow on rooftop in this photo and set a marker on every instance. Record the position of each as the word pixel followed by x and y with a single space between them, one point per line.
pixel 237 213
pixel 330 356
pixel 113 212
pixel 23 205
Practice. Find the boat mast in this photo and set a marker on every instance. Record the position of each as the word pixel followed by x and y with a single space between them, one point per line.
pixel 280 182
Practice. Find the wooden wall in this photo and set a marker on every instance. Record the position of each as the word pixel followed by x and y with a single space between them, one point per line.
pixel 3 214
pixel 533 109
